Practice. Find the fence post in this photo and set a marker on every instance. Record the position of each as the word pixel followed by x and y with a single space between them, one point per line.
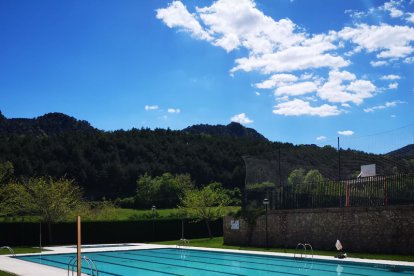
pixel 385 192
pixel 347 195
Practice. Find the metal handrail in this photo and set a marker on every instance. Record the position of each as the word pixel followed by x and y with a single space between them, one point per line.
pixel 91 264
pixel 182 243
pixel 310 246
pixel 301 254
pixel 9 248
pixel 304 246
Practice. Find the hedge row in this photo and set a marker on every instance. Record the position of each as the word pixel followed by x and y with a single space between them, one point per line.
pixel 28 233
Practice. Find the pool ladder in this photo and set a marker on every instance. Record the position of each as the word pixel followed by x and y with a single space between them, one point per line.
pixel 304 246
pixel 91 264
pixel 9 248
pixel 183 243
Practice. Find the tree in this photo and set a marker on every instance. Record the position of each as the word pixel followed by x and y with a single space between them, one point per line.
pixel 313 177
pixel 208 203
pixel 162 191
pixel 6 172
pixel 296 177
pixel 52 200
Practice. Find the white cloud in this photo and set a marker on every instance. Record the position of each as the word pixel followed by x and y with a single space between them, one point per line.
pixel 393 85
pixel 346 132
pixel 390 77
pixel 173 110
pixel 273 46
pixel 236 23
pixel 299 107
pixel 177 15
pixel 378 63
pixel 320 138
pixel 311 55
pixel 392 7
pixel 289 55
pixel 306 76
pixel 151 107
pixel 388 41
pixel 276 80
pixel 409 60
pixel 410 17
pixel 334 90
pixel 379 107
pixel 241 119
pixel 296 89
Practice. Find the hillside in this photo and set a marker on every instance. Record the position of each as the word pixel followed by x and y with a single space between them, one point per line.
pixel 48 124
pixel 232 130
pixel 109 163
pixel 404 152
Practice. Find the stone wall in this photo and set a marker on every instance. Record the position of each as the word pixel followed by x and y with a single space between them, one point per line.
pixel 375 229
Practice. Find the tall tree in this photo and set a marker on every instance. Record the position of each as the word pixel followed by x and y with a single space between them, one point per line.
pixel 162 191
pixel 6 172
pixel 296 177
pixel 313 177
pixel 208 203
pixel 52 200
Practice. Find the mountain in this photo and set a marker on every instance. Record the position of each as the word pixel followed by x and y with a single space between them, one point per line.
pixel 48 124
pixel 233 130
pixel 404 152
pixel 108 163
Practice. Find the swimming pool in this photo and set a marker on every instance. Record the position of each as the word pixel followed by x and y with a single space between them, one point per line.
pixel 171 261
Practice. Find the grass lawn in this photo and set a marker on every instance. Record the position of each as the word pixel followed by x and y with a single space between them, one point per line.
pixel 217 242
pixel 20 250
pixel 121 214
pixel 4 273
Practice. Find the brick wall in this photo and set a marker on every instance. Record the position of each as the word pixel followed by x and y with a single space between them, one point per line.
pixel 375 229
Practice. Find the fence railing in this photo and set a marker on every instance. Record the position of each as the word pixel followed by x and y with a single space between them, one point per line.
pixel 361 192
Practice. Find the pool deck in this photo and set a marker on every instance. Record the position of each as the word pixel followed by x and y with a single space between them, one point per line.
pixel 25 268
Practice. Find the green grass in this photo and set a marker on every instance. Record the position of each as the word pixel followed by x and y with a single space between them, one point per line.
pixel 4 273
pixel 217 242
pixel 121 214
pixel 20 250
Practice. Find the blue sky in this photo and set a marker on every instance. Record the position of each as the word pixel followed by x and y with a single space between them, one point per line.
pixel 296 71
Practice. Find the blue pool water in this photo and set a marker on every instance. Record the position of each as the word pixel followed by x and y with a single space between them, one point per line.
pixel 169 261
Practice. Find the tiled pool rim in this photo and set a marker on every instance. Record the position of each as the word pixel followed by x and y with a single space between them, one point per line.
pixel 7 263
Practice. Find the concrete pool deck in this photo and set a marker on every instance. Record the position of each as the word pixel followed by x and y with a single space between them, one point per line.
pixel 26 268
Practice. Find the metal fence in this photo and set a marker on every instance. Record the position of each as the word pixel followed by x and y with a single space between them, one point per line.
pixel 359 192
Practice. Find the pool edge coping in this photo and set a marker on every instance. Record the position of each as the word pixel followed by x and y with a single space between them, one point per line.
pixel 25 268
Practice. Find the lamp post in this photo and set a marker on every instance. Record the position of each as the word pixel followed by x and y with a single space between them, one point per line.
pixel 153 209
pixel 266 203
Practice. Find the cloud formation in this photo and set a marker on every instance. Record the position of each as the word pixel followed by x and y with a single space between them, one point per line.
pixel 151 107
pixel 287 56
pixel 299 107
pixel 173 110
pixel 384 106
pixel 321 138
pixel 241 119
pixel 346 132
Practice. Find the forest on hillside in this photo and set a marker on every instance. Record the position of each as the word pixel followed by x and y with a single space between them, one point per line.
pixel 108 164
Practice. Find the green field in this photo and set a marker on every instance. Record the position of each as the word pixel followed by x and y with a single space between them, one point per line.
pixel 121 214
pixel 4 273
pixel 20 250
pixel 218 243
